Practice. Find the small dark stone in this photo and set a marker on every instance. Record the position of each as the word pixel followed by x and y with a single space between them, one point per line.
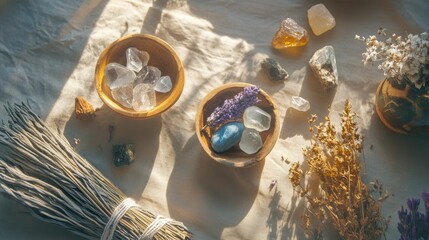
pixel 123 154
pixel 273 69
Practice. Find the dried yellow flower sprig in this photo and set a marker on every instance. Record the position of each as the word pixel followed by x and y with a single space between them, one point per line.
pixel 334 189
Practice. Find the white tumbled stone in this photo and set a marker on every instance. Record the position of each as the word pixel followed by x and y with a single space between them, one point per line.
pixel 251 141
pixel 320 19
pixel 256 118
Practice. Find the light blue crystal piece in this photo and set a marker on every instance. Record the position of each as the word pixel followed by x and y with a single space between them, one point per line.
pixel 227 136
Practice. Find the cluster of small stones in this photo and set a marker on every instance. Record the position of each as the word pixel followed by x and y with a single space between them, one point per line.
pixel 291 34
pixel 246 134
pixel 323 62
pixel 134 85
pixel 255 120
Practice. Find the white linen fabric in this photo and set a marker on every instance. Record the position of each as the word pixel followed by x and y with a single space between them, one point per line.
pixel 48 52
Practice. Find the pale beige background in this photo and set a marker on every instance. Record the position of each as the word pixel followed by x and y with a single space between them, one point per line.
pixel 48 51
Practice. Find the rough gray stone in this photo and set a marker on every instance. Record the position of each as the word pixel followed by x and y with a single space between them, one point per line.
pixel 273 69
pixel 324 66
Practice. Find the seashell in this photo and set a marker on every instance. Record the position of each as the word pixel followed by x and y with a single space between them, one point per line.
pixel 83 109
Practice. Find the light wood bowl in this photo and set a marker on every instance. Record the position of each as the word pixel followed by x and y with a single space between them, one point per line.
pixel 162 56
pixel 235 157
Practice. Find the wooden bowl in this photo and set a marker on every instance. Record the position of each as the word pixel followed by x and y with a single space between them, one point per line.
pixel 162 56
pixel 235 157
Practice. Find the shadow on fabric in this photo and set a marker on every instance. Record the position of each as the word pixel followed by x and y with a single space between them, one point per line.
pixel 109 128
pixel 391 156
pixel 34 37
pixel 47 44
pixel 295 122
pixel 153 16
pixel 206 195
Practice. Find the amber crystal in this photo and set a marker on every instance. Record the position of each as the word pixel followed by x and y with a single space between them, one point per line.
pixel 290 34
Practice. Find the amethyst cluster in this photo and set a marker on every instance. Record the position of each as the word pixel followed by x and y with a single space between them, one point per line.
pixel 232 109
pixel 414 225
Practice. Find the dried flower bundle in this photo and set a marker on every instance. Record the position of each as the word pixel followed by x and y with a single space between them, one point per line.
pixel 414 224
pixel 40 169
pixel 406 59
pixel 332 187
pixel 233 109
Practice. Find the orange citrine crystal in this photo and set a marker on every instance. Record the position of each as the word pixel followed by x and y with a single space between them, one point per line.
pixel 289 34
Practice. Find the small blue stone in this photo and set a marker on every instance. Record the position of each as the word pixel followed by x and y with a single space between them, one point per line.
pixel 227 136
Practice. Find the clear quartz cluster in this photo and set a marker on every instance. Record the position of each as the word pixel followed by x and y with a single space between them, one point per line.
pixel 134 86
pixel 255 120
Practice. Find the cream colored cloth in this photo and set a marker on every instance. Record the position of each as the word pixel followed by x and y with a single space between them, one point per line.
pixel 48 51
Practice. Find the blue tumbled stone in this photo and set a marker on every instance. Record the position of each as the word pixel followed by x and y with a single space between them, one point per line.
pixel 227 136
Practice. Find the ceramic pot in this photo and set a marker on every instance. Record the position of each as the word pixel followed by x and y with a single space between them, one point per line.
pixel 403 108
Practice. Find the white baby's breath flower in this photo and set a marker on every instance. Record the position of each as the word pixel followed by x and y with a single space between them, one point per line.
pixel 405 60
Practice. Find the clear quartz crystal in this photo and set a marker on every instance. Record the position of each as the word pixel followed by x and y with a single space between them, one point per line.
pixel 251 141
pixel 117 75
pixel 163 84
pixel 123 95
pixel 136 59
pixel 256 118
pixel 300 104
pixel 140 76
pixel 148 75
pixel 144 97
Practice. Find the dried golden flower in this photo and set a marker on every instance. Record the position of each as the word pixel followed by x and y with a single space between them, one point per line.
pixel 295 174
pixel 338 194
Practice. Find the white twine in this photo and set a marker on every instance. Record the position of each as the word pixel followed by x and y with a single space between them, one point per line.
pixel 154 227
pixel 120 211
pixel 117 214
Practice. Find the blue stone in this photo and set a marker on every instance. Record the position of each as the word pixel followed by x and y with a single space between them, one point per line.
pixel 227 136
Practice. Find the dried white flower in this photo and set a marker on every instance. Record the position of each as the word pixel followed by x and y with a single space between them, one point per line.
pixel 406 60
